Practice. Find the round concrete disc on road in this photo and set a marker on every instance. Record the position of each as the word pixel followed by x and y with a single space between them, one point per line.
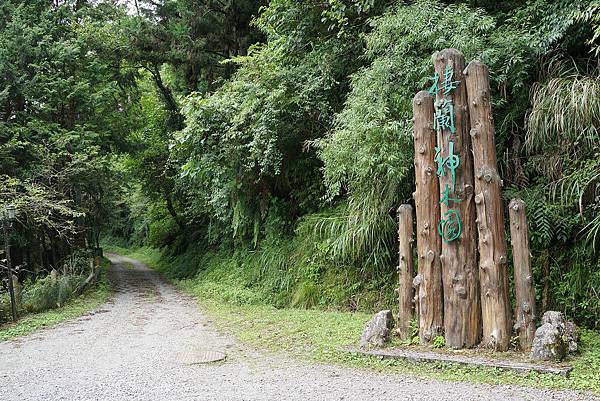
pixel 198 357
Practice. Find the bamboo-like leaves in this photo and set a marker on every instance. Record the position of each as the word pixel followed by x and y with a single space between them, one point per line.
pixel 563 128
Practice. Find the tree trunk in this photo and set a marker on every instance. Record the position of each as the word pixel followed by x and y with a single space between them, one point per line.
pixel 173 212
pixel 9 275
pixel 175 119
pixel 52 244
pixel 493 276
pixel 524 290
pixel 428 283
pixel 462 311
pixel 43 251
pixel 405 271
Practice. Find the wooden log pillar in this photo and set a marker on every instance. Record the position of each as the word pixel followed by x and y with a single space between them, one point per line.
pixel 18 290
pixel 405 271
pixel 525 306
pixel 428 282
pixel 460 277
pixel 493 276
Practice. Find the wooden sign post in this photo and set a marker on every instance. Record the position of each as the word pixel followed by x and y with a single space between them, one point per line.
pixel 461 209
pixel 405 271
pixel 428 282
pixel 462 314
pixel 493 277
pixel 525 310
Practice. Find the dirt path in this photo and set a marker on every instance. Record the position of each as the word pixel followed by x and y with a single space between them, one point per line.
pixel 137 347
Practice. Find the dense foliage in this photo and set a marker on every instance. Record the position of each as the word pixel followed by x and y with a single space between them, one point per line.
pixel 65 108
pixel 270 142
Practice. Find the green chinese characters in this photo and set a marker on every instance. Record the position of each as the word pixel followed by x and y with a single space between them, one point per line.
pixel 449 227
pixel 448 85
pixel 451 162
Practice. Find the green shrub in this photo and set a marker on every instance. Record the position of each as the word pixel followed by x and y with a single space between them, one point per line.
pixel 439 342
pixel 306 295
pixel 5 314
pixel 44 293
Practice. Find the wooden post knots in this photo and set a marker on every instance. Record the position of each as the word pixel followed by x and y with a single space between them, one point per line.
pixel 462 282
pixel 429 290
pixel 405 270
pixel 525 305
pixel 493 277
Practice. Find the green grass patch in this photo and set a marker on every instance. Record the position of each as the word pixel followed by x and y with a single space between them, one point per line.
pixel 316 335
pixel 89 300
pixel 149 256
pixel 273 275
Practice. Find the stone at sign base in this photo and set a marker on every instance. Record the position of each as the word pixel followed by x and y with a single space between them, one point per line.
pixel 377 330
pixel 572 333
pixel 555 338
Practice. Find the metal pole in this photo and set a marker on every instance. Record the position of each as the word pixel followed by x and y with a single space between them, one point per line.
pixel 11 289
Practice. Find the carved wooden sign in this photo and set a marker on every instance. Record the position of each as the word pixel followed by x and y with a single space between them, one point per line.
pixel 462 281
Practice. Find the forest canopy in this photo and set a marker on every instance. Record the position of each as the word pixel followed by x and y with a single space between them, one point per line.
pixel 278 134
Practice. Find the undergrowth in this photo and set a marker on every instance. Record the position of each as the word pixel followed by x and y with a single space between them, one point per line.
pixel 275 275
pixel 35 318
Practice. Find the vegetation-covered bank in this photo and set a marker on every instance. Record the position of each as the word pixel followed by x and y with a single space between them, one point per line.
pixel 319 335
pixel 246 311
pixel 271 276
pixel 50 304
pixel 267 144
pixel 287 158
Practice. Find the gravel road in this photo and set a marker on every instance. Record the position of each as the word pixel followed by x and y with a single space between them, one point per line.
pixel 139 346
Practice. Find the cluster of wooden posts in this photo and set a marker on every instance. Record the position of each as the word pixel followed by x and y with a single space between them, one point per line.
pixel 461 289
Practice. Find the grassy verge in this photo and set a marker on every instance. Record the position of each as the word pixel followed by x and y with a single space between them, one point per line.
pixel 149 256
pixel 89 300
pixel 317 335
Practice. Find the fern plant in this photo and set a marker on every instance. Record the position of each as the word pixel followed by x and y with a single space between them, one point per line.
pixel 438 342
pixel 563 138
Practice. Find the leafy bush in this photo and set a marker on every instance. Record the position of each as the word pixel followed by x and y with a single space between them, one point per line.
pixel 368 157
pixel 44 294
pixel 439 342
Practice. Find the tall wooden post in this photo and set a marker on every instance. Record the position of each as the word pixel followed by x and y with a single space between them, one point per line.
pixel 11 290
pixel 525 310
pixel 493 276
pixel 462 312
pixel 405 271
pixel 428 282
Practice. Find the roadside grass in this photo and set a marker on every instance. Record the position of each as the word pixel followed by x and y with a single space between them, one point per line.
pixel 318 335
pixel 86 302
pixel 149 256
